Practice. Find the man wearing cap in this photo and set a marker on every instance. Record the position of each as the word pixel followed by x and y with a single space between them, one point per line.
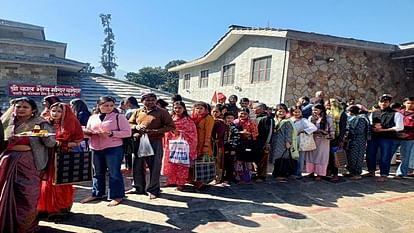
pixel 386 123
pixel 232 107
pixel 155 122
pixel 265 125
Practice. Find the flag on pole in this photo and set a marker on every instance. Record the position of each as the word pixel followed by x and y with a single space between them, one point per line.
pixel 214 99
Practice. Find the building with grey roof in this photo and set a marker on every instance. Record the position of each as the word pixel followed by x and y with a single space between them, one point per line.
pixel 280 65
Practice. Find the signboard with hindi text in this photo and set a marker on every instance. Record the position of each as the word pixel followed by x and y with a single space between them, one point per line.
pixel 40 90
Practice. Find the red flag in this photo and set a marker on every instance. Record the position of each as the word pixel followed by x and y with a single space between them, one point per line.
pixel 214 99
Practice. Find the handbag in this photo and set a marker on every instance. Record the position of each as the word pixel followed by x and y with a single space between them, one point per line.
pixel 145 148
pixel 128 142
pixel 204 169
pixel 341 159
pixel 179 151
pixel 247 151
pixel 72 167
pixel 306 142
pixel 285 166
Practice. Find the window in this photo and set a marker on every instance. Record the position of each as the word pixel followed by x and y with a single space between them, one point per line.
pixel 261 69
pixel 186 84
pixel 203 78
pixel 228 75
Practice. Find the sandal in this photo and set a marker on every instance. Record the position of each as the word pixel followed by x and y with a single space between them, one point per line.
pixel 335 179
pixel 90 199
pixel 355 177
pixel 115 202
pixel 382 179
pixel 310 175
pixel 369 174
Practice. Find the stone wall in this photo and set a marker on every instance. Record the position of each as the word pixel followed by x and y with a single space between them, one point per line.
pixel 11 73
pixel 352 72
pixel 26 50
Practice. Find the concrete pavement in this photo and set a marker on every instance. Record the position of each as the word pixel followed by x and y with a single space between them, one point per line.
pixel 294 206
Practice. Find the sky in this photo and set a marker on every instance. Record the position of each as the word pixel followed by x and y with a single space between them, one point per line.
pixel 154 32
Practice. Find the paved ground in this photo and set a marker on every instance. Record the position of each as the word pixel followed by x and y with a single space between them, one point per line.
pixel 296 206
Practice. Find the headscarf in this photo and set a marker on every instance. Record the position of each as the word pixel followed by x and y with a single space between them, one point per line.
pixel 196 117
pixel 249 125
pixel 69 129
pixel 335 112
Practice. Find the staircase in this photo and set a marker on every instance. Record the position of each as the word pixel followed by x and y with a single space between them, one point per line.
pixel 95 86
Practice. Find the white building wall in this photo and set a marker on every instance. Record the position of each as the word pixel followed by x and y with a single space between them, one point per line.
pixel 242 54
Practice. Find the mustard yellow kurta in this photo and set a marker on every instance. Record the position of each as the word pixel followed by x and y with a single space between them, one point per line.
pixel 204 131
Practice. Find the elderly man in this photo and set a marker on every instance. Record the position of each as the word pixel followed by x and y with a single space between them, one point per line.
pixel 386 123
pixel 153 121
pixel 265 124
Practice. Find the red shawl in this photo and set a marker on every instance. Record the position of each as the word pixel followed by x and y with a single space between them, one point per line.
pixel 68 129
pixel 196 117
pixel 248 125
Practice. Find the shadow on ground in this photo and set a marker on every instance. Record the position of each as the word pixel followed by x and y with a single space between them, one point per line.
pixel 233 204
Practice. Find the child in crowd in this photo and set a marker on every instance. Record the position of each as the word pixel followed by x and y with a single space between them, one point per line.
pixel 231 141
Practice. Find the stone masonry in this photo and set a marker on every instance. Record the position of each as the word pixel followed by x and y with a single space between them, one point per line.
pixel 26 50
pixel 352 72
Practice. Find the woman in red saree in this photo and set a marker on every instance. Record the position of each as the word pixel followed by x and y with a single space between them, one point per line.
pixel 20 166
pixel 177 174
pixel 56 201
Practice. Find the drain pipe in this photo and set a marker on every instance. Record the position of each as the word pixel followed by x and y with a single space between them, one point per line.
pixel 283 73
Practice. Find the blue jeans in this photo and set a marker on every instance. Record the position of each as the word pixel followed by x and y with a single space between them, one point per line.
pixel 108 159
pixel 386 146
pixel 301 162
pixel 406 152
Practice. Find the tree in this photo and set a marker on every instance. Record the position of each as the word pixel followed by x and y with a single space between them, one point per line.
pixel 87 69
pixel 108 55
pixel 157 77
pixel 149 76
pixel 171 84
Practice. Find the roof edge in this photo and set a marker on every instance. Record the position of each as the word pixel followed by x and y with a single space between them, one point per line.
pixel 11 23
pixel 290 34
pixel 135 84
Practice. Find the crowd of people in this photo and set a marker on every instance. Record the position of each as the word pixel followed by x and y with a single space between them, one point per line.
pixel 240 141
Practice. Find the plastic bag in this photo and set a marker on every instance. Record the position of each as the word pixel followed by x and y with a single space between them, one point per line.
pixel 145 148
pixel 179 151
